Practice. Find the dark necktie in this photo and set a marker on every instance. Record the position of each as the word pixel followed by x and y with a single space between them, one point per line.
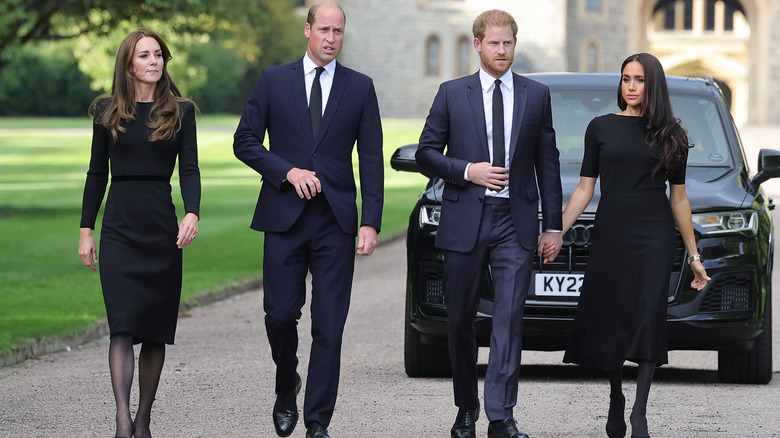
pixel 498 126
pixel 315 102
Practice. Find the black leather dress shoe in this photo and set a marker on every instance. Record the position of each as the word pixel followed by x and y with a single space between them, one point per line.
pixel 316 430
pixel 504 429
pixel 286 410
pixel 465 424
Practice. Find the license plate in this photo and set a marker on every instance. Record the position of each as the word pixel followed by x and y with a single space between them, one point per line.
pixel 558 285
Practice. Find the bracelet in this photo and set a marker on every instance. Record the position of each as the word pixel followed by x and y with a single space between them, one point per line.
pixel 693 257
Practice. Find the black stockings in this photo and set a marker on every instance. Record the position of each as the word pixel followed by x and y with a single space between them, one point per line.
pixel 150 365
pixel 616 425
pixel 644 378
pixel 121 362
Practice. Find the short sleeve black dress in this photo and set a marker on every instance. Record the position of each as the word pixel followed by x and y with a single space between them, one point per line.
pixel 140 264
pixel 621 313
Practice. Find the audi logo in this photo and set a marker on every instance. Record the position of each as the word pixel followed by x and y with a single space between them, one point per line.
pixel 578 235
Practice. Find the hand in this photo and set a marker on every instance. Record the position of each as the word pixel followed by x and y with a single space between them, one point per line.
pixel 305 182
pixel 550 244
pixel 188 229
pixel 366 240
pixel 87 248
pixel 484 174
pixel 700 274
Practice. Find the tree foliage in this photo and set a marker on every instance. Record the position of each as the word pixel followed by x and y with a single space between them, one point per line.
pixel 214 43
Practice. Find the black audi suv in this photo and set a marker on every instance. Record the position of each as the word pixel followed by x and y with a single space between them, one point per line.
pixel 732 222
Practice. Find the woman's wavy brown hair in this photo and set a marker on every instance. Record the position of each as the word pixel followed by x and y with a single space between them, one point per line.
pixel 117 108
pixel 665 136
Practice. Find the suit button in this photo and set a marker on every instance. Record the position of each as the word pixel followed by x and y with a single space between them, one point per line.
pixel 314 155
pixel 479 200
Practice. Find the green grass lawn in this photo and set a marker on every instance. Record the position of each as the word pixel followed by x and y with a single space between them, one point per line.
pixel 45 291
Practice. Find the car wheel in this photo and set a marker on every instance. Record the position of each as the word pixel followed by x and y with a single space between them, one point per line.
pixel 422 360
pixel 754 365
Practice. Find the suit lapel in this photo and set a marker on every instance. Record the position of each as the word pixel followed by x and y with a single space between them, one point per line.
pixel 300 98
pixel 521 98
pixel 474 93
pixel 340 79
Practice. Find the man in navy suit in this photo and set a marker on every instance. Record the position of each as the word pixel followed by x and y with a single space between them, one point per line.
pixel 314 111
pixel 500 158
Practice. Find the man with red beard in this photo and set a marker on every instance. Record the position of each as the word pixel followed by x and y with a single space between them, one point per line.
pixel 500 158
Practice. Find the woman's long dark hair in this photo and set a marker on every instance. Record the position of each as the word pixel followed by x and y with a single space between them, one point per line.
pixel 119 106
pixel 664 134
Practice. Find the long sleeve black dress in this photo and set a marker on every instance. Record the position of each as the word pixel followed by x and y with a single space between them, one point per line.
pixel 621 313
pixel 140 264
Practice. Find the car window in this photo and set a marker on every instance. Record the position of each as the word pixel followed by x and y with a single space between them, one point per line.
pixel 574 109
pixel 699 116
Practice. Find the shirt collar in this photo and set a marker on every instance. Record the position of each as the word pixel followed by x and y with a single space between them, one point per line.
pixel 309 66
pixel 487 81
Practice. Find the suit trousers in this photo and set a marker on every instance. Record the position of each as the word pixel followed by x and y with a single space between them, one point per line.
pixel 317 244
pixel 510 266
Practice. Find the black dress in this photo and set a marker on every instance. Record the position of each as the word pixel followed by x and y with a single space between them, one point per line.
pixel 140 264
pixel 622 308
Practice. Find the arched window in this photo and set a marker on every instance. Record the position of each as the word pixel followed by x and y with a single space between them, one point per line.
pixel 432 56
pixel 463 50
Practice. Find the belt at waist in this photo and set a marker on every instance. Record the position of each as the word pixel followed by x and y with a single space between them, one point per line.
pixel 495 200
pixel 122 178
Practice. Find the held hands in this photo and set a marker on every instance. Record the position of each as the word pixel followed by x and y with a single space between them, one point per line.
pixel 484 174
pixel 700 274
pixel 366 240
pixel 305 182
pixel 550 244
pixel 87 248
pixel 188 229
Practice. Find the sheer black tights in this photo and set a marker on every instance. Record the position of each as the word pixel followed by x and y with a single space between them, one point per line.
pixel 644 378
pixel 615 422
pixel 121 362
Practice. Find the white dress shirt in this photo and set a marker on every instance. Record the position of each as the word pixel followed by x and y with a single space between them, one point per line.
pixel 508 93
pixel 326 78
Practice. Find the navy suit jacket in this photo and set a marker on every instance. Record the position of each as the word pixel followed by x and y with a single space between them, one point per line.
pixel 457 121
pixel 278 106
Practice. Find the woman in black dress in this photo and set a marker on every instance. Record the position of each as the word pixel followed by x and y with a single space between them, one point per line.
pixel 622 309
pixel 139 130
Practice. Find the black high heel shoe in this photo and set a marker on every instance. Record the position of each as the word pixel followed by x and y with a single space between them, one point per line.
pixel 619 430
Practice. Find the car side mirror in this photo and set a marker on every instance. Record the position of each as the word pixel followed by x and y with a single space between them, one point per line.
pixel 403 160
pixel 768 167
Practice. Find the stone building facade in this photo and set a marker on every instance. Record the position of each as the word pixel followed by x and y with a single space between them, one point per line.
pixel 410 46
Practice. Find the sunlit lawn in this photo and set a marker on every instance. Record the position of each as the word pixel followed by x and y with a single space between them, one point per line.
pixel 45 291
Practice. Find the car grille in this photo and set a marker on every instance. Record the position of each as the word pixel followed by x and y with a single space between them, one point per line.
pixel 573 257
pixel 731 291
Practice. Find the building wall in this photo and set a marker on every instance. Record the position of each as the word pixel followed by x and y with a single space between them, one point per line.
pixel 553 35
pixel 392 50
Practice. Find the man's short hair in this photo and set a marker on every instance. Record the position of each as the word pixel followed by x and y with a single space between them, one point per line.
pixel 316 7
pixel 493 17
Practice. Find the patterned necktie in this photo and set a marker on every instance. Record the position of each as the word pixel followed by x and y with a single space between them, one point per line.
pixel 498 126
pixel 315 102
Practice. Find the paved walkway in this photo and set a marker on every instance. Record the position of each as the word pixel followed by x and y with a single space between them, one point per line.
pixel 218 379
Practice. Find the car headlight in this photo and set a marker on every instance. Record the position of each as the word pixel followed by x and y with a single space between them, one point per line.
pixel 727 222
pixel 429 215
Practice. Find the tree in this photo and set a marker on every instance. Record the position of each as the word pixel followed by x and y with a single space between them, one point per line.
pixel 26 21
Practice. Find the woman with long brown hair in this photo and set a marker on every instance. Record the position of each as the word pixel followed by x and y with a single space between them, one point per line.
pixel 139 131
pixel 621 313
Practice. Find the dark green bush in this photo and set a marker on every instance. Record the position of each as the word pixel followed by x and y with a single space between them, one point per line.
pixel 44 80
